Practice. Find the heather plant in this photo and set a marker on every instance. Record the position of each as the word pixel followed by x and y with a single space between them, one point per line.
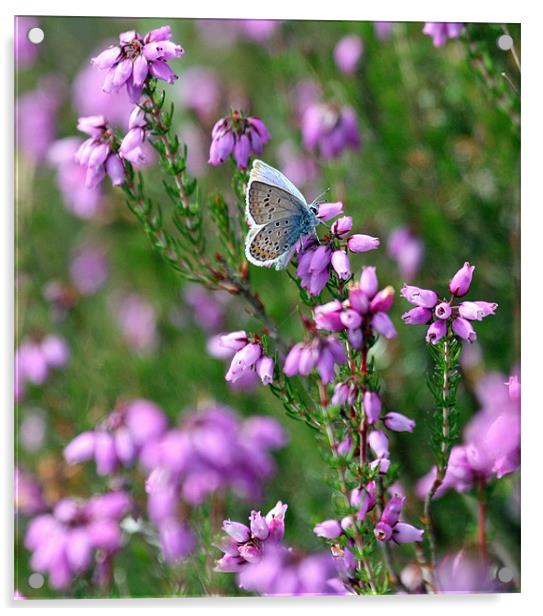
pixel 326 346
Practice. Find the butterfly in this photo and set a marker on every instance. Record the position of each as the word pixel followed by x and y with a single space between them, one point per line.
pixel 278 216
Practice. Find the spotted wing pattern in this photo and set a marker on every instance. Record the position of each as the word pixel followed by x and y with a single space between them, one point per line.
pixel 265 245
pixel 266 203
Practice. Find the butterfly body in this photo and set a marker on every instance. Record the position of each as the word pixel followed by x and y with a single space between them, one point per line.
pixel 278 216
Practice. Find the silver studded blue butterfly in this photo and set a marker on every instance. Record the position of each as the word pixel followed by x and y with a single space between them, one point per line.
pixel 278 217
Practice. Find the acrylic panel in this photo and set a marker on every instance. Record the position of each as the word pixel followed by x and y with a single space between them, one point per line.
pixel 267 319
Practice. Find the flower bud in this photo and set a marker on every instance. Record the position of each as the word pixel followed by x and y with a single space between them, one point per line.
pixel 368 281
pixel 461 281
pixel 382 302
pixel 362 243
pixel 464 329
pixel 436 331
pixel 372 406
pixel 419 297
pixel 329 529
pixel 398 422
pixel 417 316
pixel 340 263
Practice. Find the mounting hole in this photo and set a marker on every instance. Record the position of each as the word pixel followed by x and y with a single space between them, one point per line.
pixel 36 580
pixel 36 35
pixel 505 575
pixel 505 42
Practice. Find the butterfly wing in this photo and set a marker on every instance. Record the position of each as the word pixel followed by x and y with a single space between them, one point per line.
pixel 270 195
pixel 273 243
pixel 266 203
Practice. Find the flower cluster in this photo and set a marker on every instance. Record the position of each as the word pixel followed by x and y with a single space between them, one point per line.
pixel 119 439
pixel 265 566
pixel 284 571
pixel 491 446
pixel 330 130
pixel 364 310
pixel 212 451
pixel 318 258
pixel 78 198
pixel 389 527
pixel 442 313
pixel 320 352
pixel 97 154
pixel 34 360
pixel 64 542
pixel 244 544
pixel 130 148
pixel 248 356
pixel 136 58
pixel 239 136
pixel 441 32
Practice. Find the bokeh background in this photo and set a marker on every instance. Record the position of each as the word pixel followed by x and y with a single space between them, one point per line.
pixel 439 129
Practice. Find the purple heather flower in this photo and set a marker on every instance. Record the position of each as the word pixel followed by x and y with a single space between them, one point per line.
pixel 281 571
pixel 212 450
pixel 80 200
pixel 372 406
pixel 443 311
pixel 136 59
pixel 96 154
pixel 64 542
pixel 398 422
pixel 407 250
pixel 258 30
pixel 424 298
pixel 362 243
pixel 446 312
pixel 491 441
pixel 330 129
pixel 417 316
pixel 327 211
pixel 476 311
pixel 329 529
pixel 340 263
pixel 130 148
pixel 442 31
pixel 383 29
pixel 247 358
pixel 265 368
pixel 383 325
pixel 378 441
pixel 513 386
pixel 321 353
pixel 389 528
pixel 347 53
pixel 137 321
pixel 36 115
pixel 436 331
pixel 465 572
pixel 34 360
pixel 244 544
pixel 461 281
pixel 88 269
pixel 120 437
pixel 238 136
pixel 464 329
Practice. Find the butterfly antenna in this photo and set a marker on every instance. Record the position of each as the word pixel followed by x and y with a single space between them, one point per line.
pixel 316 200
